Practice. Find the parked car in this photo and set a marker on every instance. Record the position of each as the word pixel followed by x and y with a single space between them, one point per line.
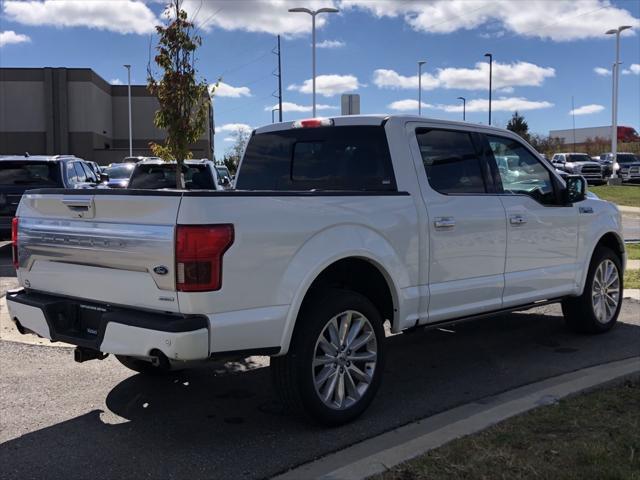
pixel 158 174
pixel 21 173
pixel 335 226
pixel 580 164
pixel 628 163
pixel 118 175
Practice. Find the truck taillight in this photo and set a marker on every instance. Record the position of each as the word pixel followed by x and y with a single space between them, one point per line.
pixel 313 123
pixel 199 251
pixel 14 242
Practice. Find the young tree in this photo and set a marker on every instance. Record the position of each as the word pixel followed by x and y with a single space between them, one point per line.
pixel 519 125
pixel 184 101
pixel 233 156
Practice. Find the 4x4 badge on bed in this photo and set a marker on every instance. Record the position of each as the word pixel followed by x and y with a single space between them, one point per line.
pixel 161 270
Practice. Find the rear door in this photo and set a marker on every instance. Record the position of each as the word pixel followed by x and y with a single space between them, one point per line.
pixel 97 245
pixel 467 234
pixel 542 234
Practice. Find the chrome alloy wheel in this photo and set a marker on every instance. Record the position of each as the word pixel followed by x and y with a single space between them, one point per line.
pixel 605 291
pixel 345 358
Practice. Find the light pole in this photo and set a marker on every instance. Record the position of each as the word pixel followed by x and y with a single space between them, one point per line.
pixel 420 63
pixel 313 14
pixel 464 108
pixel 490 80
pixel 128 67
pixel 614 107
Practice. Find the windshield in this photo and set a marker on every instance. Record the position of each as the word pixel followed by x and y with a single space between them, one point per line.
pixel 579 158
pixel 627 158
pixel 156 176
pixel 223 172
pixel 120 172
pixel 29 173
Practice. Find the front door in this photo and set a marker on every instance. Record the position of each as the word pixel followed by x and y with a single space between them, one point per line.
pixel 542 234
pixel 467 225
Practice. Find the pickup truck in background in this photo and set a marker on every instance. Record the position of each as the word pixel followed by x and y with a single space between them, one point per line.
pixel 335 227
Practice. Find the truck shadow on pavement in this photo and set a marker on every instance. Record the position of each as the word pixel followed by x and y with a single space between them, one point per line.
pixel 225 422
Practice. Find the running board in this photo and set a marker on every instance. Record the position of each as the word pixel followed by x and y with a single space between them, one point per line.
pixel 519 308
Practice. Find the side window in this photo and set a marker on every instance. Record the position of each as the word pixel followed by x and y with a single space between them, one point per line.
pixel 451 161
pixel 520 171
pixel 88 172
pixel 72 176
pixel 80 175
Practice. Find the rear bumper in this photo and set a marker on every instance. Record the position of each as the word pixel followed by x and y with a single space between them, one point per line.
pixel 108 329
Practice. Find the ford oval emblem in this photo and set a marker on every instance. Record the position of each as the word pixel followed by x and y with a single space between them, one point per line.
pixel 161 270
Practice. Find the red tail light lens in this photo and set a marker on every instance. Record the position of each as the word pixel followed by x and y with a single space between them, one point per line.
pixel 199 251
pixel 14 242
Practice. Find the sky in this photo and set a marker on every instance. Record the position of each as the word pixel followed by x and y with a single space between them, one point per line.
pixel 545 53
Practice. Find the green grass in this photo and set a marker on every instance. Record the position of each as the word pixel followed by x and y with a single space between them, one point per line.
pixel 632 279
pixel 633 251
pixel 589 437
pixel 628 195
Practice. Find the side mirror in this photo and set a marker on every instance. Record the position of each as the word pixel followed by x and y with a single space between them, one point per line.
pixel 224 181
pixel 576 189
pixel 104 177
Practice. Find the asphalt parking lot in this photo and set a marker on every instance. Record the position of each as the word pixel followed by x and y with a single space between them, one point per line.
pixel 66 420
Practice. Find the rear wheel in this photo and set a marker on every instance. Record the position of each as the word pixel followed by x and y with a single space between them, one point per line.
pixel 335 361
pixel 597 309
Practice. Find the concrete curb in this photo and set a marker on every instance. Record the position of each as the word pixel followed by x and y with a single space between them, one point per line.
pixel 628 209
pixel 378 454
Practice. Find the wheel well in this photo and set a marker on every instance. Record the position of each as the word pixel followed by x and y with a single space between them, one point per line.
pixel 612 241
pixel 358 275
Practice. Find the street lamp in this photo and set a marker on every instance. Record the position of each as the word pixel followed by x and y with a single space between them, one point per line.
pixel 614 107
pixel 272 112
pixel 420 63
pixel 313 14
pixel 490 80
pixel 464 108
pixel 128 67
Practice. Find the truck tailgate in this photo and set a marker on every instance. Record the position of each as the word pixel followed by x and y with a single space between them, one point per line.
pixel 111 248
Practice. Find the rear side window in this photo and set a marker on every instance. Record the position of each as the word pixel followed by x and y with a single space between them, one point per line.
pixel 29 173
pixel 450 159
pixel 352 158
pixel 154 177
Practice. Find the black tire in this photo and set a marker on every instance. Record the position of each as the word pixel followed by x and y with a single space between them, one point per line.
pixel 146 368
pixel 293 374
pixel 579 312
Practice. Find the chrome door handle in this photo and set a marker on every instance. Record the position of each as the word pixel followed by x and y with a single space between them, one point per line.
pixel 517 220
pixel 444 223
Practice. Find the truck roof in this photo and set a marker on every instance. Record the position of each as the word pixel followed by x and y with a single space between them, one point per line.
pixel 376 119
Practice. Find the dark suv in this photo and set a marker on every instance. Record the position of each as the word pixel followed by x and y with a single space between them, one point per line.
pixel 18 174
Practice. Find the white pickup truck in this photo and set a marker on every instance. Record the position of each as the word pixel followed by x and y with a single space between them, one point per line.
pixel 336 226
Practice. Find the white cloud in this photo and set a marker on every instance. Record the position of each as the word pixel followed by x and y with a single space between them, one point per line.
pixel 587 109
pixel 558 20
pixel 502 104
pixel 226 90
pixel 328 85
pixel 391 79
pixel 115 81
pixel 232 127
pixel 634 69
pixel 331 44
pixel 603 72
pixel 407 105
pixel 263 16
pixel 9 37
pixel 505 77
pixel 123 16
pixel 294 107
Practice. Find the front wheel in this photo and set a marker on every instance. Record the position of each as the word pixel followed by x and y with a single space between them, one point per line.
pixel 334 365
pixel 597 309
